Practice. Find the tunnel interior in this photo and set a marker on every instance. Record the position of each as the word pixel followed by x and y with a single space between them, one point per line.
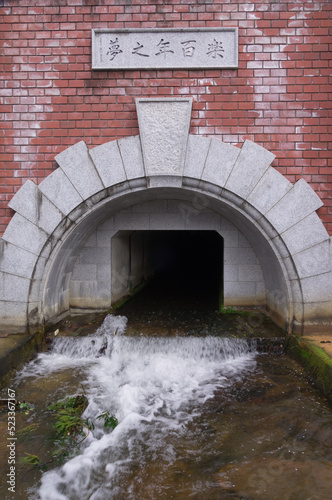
pixel 181 266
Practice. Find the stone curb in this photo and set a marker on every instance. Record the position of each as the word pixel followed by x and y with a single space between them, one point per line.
pixel 315 360
pixel 16 350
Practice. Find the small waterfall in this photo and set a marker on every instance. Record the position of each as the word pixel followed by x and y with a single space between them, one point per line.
pixel 155 386
pixel 92 346
pixel 103 342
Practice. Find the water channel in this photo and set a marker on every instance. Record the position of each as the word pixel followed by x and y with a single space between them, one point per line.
pixel 202 413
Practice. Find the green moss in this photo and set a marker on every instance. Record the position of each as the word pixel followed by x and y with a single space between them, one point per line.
pixel 315 360
pixel 320 353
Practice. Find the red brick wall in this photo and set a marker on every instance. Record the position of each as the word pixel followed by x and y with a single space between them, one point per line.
pixel 278 97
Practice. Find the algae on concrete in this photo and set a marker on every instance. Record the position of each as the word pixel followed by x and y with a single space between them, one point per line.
pixel 315 360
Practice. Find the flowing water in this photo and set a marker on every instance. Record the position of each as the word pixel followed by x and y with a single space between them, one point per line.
pixel 199 417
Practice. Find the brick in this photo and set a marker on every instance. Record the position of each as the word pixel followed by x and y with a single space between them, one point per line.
pixel 284 67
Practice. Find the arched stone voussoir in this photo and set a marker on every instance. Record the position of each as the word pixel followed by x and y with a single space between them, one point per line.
pixel 314 261
pixel 250 166
pixel 219 163
pixel 16 260
pixel 132 157
pixel 108 162
pixel 196 154
pixel 78 166
pixel 24 234
pixel 304 234
pixel 271 187
pixel 58 188
pixel 299 202
pixel 32 204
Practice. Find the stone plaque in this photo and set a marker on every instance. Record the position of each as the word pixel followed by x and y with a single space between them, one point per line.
pixel 165 48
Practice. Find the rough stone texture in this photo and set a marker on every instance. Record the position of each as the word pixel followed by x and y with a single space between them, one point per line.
pixel 269 190
pixel 241 256
pixel 125 221
pixel 108 162
pixel 251 164
pixel 297 203
pixel 30 202
pixel 197 150
pixel 165 181
pixel 131 153
pixel 14 288
pixel 164 128
pixel 13 316
pixel 58 188
pixel 317 288
pixel 313 261
pixel 25 234
pixel 306 233
pixel 16 260
pixel 77 165
pixel 162 48
pixel 219 163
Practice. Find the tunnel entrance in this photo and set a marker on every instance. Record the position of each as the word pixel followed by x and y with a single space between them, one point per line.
pixel 188 265
pixel 183 267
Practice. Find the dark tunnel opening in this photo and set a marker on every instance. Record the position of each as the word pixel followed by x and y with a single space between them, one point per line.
pixel 188 263
pixel 173 271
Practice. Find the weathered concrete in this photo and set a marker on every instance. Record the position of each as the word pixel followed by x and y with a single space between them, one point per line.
pixel 315 354
pixel 15 350
pixel 277 251
pixel 164 127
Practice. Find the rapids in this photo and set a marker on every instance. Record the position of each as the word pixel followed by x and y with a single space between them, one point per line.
pixel 154 386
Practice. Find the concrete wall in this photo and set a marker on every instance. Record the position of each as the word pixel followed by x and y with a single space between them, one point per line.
pixel 115 258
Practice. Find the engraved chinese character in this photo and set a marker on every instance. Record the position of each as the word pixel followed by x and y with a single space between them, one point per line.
pixel 188 48
pixel 215 49
pixel 163 48
pixel 114 49
pixel 136 50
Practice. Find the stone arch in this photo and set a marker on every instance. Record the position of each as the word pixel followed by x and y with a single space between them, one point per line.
pixel 54 219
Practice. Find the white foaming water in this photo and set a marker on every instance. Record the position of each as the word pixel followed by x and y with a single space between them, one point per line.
pixel 154 386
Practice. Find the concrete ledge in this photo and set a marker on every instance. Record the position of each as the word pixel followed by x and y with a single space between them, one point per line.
pixel 316 361
pixel 15 350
